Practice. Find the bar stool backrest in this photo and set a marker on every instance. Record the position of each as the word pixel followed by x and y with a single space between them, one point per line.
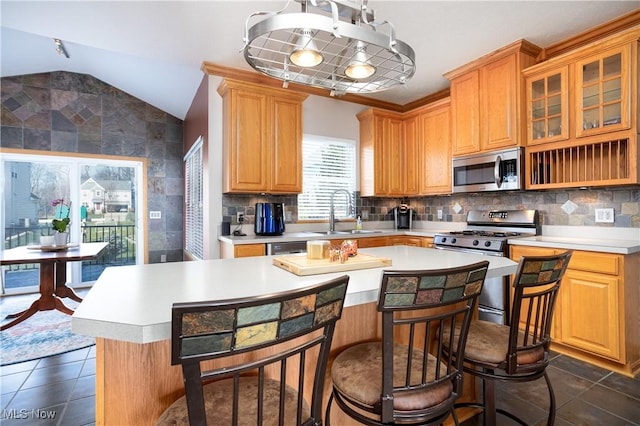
pixel 422 309
pixel 535 290
pixel 257 335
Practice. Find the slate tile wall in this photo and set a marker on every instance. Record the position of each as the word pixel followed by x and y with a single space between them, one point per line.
pixel 77 113
pixel 624 200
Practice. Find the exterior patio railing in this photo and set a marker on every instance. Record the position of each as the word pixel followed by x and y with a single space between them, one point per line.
pixel 120 251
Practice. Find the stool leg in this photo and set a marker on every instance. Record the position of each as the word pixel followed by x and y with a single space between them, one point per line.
pixel 552 402
pixel 489 396
pixel 327 414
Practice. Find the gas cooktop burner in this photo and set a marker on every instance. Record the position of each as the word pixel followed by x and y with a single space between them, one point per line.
pixel 494 234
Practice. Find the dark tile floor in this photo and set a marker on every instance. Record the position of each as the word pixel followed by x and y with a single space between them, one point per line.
pixel 60 390
pixel 585 395
pixel 63 386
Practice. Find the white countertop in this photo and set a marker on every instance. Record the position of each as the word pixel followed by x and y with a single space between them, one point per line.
pixel 587 244
pixel 588 238
pixel 133 303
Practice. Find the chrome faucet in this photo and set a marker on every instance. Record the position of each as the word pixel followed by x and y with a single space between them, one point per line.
pixel 332 214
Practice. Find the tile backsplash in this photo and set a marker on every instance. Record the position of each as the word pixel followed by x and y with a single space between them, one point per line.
pixel 625 202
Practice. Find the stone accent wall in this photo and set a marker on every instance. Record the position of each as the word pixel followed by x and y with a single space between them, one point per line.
pixel 76 113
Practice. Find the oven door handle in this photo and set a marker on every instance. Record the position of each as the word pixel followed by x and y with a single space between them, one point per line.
pixel 496 171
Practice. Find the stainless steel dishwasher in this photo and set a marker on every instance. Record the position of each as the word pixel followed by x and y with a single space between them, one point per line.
pixel 288 247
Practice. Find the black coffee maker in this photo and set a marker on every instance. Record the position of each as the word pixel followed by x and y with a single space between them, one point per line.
pixel 269 219
pixel 403 216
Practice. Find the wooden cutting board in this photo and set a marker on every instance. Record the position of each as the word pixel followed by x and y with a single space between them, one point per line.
pixel 299 264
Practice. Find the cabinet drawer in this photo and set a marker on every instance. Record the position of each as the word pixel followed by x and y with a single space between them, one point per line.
pixel 595 262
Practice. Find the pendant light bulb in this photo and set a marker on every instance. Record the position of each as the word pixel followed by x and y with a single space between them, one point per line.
pixel 306 53
pixel 360 68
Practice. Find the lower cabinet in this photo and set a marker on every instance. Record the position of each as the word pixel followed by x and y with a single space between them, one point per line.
pixel 596 314
pixel 228 251
pixel 405 240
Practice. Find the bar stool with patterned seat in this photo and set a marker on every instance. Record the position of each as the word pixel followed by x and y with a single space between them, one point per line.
pixel 405 379
pixel 519 352
pixel 272 354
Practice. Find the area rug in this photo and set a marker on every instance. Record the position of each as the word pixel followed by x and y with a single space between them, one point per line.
pixel 42 335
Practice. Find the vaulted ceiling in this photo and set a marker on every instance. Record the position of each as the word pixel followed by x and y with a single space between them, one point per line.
pixel 154 50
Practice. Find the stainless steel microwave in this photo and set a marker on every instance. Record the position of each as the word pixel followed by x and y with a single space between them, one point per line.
pixel 490 171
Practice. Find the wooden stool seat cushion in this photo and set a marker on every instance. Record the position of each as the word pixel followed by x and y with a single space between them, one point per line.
pixel 357 374
pixel 218 404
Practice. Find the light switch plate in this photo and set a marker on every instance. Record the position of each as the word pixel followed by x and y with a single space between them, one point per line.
pixel 155 215
pixel 604 215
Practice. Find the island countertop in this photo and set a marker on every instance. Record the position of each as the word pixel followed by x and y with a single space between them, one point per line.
pixel 133 303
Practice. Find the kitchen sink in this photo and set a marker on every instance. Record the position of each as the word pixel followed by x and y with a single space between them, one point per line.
pixel 354 231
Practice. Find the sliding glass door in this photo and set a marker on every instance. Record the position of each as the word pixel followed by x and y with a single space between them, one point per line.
pixel 104 199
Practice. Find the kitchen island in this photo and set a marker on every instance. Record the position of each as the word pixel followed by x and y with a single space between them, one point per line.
pixel 128 311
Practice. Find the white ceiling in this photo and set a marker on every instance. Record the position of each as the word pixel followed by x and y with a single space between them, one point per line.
pixel 154 50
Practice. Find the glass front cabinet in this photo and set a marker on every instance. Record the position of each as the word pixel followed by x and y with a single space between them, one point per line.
pixel 602 93
pixel 582 116
pixel 547 107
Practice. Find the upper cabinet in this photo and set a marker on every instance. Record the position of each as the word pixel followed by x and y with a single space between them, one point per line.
pixel 387 158
pixel 602 88
pixel 262 139
pixel 582 116
pixel 434 148
pixel 487 100
pixel 547 106
pixel 404 155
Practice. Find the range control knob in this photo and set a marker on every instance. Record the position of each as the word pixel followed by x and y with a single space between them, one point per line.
pixel 453 241
pixel 444 239
pixel 476 242
pixel 487 243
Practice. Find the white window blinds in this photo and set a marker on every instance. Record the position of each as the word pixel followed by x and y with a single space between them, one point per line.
pixel 328 164
pixel 193 200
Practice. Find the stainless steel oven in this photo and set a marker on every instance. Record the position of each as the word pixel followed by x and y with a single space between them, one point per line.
pixel 488 233
pixel 493 171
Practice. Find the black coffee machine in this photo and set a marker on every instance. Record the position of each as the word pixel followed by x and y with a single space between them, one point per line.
pixel 269 219
pixel 403 216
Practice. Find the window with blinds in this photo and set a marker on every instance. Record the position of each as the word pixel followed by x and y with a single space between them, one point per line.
pixel 327 165
pixel 193 196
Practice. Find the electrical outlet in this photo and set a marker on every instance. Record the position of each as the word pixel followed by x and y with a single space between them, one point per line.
pixel 163 258
pixel 240 217
pixel 604 215
pixel 439 214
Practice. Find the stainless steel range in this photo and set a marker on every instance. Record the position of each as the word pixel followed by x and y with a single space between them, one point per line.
pixel 488 232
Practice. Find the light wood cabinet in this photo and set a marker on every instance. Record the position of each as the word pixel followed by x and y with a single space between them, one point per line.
pixel 487 100
pixel 388 160
pixel 407 240
pixel 602 92
pixel 406 154
pixel 228 250
pixel 465 113
pixel 582 122
pixel 262 139
pixel 434 148
pixel 548 106
pixel 595 318
pixel 372 242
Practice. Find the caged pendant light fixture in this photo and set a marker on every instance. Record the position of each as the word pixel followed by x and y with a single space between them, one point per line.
pixel 332 44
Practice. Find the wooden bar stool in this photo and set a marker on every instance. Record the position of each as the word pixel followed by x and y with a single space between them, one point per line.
pixel 519 352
